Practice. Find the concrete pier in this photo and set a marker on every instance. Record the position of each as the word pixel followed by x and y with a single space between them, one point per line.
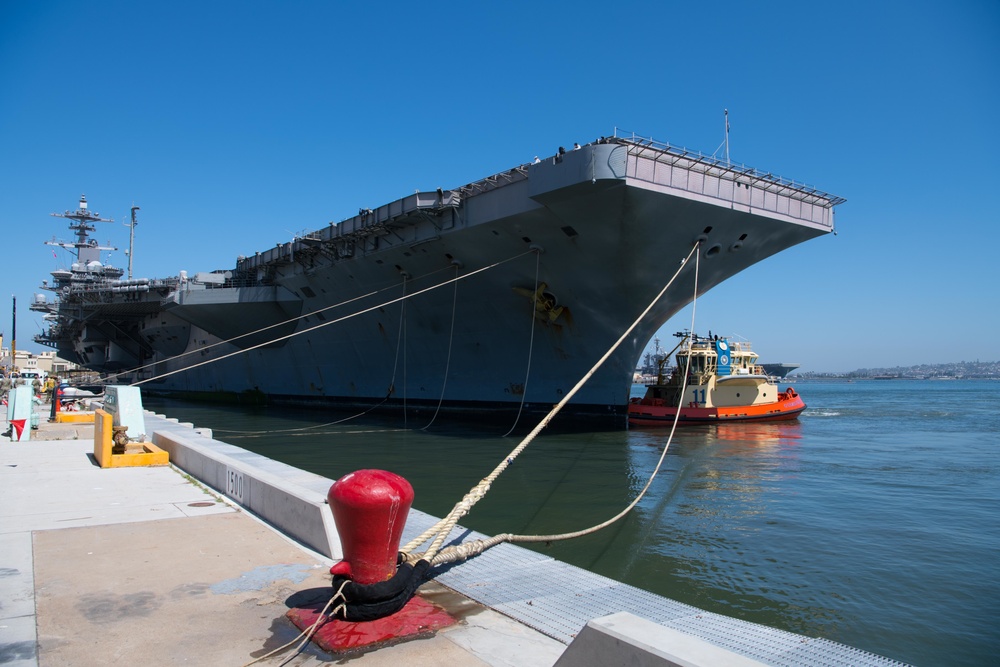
pixel 149 566
pixel 171 565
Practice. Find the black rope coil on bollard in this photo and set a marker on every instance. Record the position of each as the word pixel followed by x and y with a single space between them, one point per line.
pixel 369 602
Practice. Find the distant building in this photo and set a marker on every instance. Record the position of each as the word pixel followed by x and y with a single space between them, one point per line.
pixel 46 363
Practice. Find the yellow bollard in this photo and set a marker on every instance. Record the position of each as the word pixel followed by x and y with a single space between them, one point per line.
pixel 136 453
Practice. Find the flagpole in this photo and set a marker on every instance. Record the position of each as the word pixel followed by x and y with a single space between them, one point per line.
pixel 727 135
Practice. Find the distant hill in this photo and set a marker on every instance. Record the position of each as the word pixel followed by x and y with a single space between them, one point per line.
pixel 966 370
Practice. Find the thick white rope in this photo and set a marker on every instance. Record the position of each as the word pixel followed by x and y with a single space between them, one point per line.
pixel 439 532
pixel 475 547
pixel 249 333
pixel 270 326
pixel 330 322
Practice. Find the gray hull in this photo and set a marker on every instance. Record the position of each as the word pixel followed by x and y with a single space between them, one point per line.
pixel 603 229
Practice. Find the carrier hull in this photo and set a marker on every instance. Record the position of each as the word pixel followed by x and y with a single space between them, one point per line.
pixel 493 298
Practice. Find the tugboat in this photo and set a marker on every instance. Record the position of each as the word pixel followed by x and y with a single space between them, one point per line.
pixel 724 383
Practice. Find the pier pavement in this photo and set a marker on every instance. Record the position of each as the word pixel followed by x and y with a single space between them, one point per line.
pixel 146 566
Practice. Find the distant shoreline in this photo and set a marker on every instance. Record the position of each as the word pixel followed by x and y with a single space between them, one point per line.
pixel 819 377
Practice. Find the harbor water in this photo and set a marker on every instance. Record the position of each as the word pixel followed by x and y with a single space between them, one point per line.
pixel 873 520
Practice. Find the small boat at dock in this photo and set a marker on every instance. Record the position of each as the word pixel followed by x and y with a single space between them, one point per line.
pixel 724 383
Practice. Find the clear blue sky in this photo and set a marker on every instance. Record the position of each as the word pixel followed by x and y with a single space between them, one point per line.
pixel 234 125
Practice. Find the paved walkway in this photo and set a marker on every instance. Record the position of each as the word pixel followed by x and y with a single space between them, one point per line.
pixel 145 566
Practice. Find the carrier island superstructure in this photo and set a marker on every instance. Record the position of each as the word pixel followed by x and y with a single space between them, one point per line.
pixel 493 298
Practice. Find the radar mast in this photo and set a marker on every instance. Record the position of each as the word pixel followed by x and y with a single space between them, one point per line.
pixel 82 224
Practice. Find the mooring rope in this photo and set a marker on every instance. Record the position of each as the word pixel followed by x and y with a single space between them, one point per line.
pixel 468 549
pixel 249 333
pixel 276 324
pixel 307 634
pixel 419 564
pixel 303 430
pixel 440 531
pixel 451 339
pixel 400 343
pixel 330 322
pixel 395 367
pixel 531 342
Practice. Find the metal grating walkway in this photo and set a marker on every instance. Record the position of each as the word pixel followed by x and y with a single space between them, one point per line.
pixel 557 600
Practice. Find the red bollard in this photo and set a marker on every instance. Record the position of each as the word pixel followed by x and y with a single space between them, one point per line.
pixel 370 509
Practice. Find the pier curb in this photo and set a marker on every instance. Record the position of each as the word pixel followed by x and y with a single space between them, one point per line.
pixel 626 639
pixel 261 485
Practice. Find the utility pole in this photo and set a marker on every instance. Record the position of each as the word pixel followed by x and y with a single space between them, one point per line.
pixel 13 337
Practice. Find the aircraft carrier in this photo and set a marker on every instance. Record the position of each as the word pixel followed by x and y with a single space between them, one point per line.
pixel 493 298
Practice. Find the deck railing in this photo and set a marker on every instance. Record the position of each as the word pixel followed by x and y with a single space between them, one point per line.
pixel 698 162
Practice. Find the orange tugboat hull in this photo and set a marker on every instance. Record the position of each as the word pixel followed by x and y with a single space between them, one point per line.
pixel 644 412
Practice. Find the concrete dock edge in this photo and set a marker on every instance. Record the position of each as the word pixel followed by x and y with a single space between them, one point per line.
pixel 626 639
pixel 300 512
